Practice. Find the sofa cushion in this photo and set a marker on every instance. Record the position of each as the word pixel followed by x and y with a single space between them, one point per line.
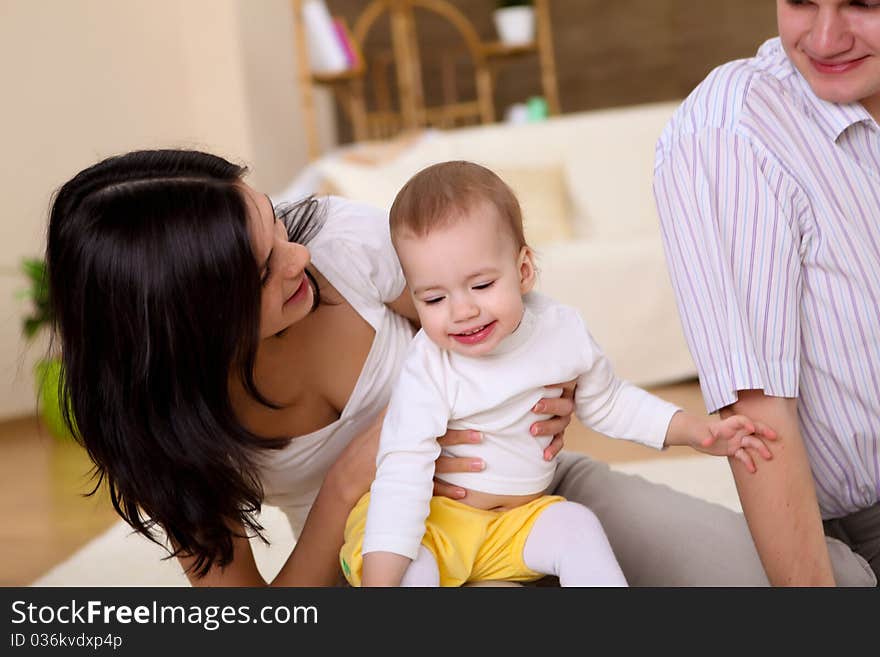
pixel 378 183
pixel 607 160
pixel 541 190
pixel 544 201
pixel 610 178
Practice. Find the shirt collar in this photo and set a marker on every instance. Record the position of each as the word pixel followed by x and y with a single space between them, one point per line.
pixel 519 337
pixel 833 118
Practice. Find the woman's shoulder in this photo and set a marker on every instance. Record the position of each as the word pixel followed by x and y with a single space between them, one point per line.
pixel 352 230
pixel 353 250
pixel 344 217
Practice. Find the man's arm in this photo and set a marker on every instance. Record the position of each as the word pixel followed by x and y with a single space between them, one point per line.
pixel 779 500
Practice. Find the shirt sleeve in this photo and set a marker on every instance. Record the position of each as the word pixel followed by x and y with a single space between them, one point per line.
pixel 617 408
pixel 417 415
pixel 730 219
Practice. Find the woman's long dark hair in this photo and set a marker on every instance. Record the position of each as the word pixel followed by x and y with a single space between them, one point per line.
pixel 156 296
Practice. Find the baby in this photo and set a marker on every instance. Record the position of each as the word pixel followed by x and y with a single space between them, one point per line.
pixel 487 347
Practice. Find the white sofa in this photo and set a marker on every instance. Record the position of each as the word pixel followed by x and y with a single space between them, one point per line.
pixel 584 181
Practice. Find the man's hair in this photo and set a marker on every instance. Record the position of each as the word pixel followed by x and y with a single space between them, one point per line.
pixel 440 195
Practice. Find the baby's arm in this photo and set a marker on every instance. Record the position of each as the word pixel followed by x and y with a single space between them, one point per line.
pixel 400 496
pixel 617 408
pixel 728 437
pixel 622 410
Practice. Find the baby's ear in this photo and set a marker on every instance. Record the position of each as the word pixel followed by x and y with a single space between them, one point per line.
pixel 527 272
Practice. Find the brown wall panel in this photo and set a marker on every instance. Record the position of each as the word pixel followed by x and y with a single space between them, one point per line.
pixel 607 53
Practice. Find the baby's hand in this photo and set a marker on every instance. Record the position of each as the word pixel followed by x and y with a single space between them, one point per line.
pixel 734 436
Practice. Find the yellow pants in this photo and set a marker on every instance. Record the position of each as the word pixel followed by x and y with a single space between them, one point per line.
pixel 469 544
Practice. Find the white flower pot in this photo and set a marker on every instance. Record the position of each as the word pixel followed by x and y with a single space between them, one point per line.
pixel 515 25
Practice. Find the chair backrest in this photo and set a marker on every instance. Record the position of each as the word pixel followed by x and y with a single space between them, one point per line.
pixel 412 112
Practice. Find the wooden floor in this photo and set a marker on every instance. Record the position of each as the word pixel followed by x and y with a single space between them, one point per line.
pixel 46 518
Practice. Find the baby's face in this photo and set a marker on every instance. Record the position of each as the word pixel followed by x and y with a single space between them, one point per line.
pixel 467 281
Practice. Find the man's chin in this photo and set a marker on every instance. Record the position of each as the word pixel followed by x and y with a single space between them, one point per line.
pixel 835 92
pixel 841 91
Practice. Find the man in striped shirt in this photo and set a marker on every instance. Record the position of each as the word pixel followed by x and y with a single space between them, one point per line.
pixel 767 181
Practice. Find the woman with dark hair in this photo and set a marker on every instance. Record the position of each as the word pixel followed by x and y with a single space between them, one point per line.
pixel 213 362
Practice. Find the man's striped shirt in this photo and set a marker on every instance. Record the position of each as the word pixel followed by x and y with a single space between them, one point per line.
pixel 769 200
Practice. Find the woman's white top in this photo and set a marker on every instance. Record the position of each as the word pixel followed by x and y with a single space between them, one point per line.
pixel 495 394
pixel 353 251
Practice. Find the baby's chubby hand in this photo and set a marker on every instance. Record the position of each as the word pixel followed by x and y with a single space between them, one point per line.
pixel 735 436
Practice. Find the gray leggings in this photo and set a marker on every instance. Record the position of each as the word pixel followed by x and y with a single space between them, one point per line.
pixel 665 538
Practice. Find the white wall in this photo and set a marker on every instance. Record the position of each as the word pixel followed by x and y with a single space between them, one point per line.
pixel 86 79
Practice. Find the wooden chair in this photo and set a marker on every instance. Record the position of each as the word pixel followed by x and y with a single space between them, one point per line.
pixel 410 112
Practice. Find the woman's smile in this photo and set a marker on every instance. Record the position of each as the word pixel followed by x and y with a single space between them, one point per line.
pixel 300 293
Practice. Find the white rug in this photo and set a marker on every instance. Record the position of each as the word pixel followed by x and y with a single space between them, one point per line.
pixel 120 558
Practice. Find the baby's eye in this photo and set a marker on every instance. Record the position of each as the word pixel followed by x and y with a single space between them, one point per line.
pixel 433 300
pixel 483 286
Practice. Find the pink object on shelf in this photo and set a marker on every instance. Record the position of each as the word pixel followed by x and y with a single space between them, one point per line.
pixel 345 42
pixel 326 53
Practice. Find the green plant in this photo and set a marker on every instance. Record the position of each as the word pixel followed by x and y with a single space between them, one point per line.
pixel 38 293
pixel 47 371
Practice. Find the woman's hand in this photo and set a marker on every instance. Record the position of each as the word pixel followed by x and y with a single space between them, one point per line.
pixel 456 464
pixel 561 408
pixel 355 468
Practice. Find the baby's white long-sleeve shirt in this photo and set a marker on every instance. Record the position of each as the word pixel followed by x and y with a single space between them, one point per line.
pixel 495 394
